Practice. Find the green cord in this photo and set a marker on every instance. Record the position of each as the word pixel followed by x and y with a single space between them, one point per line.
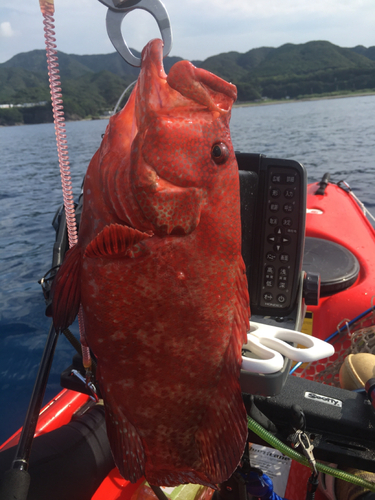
pixel 289 452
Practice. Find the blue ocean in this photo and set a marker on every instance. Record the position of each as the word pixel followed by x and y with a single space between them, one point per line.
pixel 335 136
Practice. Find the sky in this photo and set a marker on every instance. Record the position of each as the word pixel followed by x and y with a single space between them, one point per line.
pixel 201 28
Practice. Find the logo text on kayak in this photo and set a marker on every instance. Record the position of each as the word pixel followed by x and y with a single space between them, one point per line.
pixel 323 399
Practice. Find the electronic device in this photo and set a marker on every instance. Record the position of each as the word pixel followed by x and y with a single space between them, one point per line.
pixel 273 210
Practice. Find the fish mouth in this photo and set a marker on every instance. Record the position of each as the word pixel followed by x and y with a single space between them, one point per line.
pixel 172 210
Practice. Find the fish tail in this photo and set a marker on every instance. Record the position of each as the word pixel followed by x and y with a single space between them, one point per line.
pixel 66 290
pixel 126 444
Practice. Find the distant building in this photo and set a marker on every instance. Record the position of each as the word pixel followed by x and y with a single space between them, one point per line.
pixel 24 105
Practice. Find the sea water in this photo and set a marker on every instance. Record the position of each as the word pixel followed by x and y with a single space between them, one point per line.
pixel 335 136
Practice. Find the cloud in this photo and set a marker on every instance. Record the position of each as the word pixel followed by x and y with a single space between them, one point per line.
pixel 269 8
pixel 201 28
pixel 6 30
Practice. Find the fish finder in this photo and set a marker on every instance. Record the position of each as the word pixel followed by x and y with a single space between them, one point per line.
pixel 273 209
pixel 273 212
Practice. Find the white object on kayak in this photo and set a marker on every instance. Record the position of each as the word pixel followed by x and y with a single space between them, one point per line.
pixel 269 343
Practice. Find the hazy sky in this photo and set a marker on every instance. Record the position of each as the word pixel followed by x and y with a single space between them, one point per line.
pixel 201 28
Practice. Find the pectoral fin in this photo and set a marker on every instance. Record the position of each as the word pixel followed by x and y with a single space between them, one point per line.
pixel 115 240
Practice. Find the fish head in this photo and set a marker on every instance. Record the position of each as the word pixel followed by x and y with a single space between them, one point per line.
pixel 182 144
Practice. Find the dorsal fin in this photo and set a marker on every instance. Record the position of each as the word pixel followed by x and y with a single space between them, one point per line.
pixel 114 240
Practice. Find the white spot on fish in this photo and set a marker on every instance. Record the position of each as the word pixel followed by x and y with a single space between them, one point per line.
pixel 128 383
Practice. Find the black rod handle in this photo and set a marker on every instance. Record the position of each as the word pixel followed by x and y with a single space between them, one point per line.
pixel 18 477
pixel 27 434
pixel 15 485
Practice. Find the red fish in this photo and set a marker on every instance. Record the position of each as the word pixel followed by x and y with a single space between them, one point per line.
pixel 159 273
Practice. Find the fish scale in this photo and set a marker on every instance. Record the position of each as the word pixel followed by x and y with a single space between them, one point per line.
pixel 161 279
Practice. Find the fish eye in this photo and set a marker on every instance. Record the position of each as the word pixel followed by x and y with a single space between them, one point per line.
pixel 219 153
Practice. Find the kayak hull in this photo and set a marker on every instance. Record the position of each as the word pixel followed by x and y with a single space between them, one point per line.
pixel 337 217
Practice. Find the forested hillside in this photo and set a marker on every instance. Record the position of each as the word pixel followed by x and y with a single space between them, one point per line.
pixel 92 84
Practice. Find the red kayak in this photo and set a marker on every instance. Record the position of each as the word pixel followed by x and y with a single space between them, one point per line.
pixel 344 248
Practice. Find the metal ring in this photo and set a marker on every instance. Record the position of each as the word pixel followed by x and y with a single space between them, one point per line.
pixel 116 15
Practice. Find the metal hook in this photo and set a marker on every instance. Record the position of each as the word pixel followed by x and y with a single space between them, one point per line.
pixel 117 10
pixel 344 322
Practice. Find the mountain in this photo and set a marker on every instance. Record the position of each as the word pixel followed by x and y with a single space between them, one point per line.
pixel 363 51
pixel 91 84
pixel 309 58
pixel 294 70
pixel 35 61
pixel 72 66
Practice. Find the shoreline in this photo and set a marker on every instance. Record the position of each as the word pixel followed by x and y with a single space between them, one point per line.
pixel 244 104
pixel 315 97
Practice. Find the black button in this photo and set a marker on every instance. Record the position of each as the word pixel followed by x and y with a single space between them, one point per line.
pixel 268 283
pixel 277 178
pixel 290 178
pixel 287 222
pixel 284 257
pixel 288 208
pixel 267 296
pixel 273 221
pixel 289 193
pixel 278 230
pixel 282 285
pixel 277 247
pixel 269 271
pixel 275 193
pixel 283 271
pixel 274 207
pixel 270 256
pixel 271 238
pixel 281 299
pixel 285 240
